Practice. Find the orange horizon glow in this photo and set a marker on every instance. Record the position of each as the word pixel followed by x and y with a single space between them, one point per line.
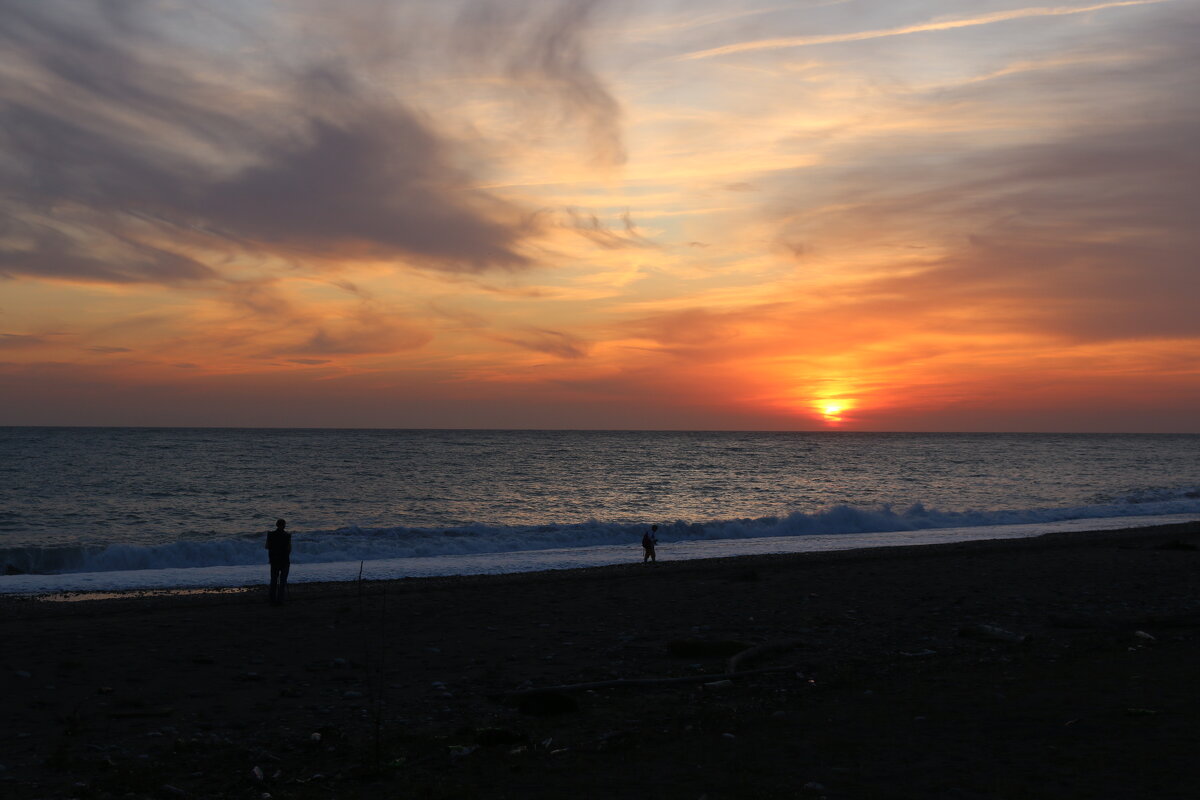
pixel 738 215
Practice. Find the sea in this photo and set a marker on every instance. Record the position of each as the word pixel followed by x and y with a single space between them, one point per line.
pixel 107 509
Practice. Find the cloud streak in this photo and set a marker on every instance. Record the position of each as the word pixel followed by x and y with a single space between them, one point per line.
pixel 555 343
pixel 905 30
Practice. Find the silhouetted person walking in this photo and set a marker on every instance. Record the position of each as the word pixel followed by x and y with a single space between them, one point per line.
pixel 648 542
pixel 279 550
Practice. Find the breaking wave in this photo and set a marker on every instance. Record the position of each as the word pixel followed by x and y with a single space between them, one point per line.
pixel 369 544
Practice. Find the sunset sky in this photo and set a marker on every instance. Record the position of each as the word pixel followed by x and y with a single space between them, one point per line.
pixel 711 214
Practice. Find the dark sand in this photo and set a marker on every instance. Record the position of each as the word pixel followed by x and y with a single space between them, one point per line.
pixel 880 695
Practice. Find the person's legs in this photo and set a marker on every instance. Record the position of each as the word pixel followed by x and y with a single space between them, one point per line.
pixel 284 569
pixel 275 590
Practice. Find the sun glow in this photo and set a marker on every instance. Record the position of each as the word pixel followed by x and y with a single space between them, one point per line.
pixel 832 410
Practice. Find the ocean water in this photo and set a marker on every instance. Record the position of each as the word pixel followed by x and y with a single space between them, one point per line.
pixel 149 507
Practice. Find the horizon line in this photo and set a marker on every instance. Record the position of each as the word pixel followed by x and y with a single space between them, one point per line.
pixel 606 430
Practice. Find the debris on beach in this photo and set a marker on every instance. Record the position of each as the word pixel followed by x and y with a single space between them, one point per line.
pixel 615 742
pixel 743 659
pixel 992 633
pixel 1141 712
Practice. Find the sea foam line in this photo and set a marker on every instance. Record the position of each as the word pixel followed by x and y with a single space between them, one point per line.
pixel 539 560
pixel 375 544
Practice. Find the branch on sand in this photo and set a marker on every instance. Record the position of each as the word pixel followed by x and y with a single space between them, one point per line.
pixel 735 670
pixel 739 661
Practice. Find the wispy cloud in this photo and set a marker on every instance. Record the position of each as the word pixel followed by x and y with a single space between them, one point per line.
pixel 363 333
pixel 555 343
pixel 542 48
pixel 119 130
pixel 904 30
pixel 21 340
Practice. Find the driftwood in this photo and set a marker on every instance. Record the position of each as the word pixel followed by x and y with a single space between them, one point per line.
pixel 618 683
pixel 738 661
pixel 991 633
pixel 736 668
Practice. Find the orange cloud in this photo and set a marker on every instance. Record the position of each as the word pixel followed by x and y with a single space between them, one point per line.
pixel 546 214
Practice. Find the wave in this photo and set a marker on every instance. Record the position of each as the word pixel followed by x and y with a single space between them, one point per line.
pixel 370 544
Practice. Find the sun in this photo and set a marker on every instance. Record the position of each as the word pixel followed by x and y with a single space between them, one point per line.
pixel 833 411
pixel 829 402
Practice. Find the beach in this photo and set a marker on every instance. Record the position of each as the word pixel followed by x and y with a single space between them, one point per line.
pixel 1057 666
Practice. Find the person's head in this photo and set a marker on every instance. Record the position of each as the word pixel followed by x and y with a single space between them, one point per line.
pixel 280 524
pixel 654 529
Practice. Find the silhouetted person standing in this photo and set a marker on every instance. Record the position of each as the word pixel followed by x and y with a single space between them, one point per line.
pixel 648 542
pixel 279 550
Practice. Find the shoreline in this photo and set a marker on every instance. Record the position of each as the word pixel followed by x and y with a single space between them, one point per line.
pixel 1047 667
pixel 200 580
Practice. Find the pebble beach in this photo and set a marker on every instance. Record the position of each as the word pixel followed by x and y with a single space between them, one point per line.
pixel 1058 666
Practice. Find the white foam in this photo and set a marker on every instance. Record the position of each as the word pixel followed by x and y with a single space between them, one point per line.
pixel 382 544
pixel 547 559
